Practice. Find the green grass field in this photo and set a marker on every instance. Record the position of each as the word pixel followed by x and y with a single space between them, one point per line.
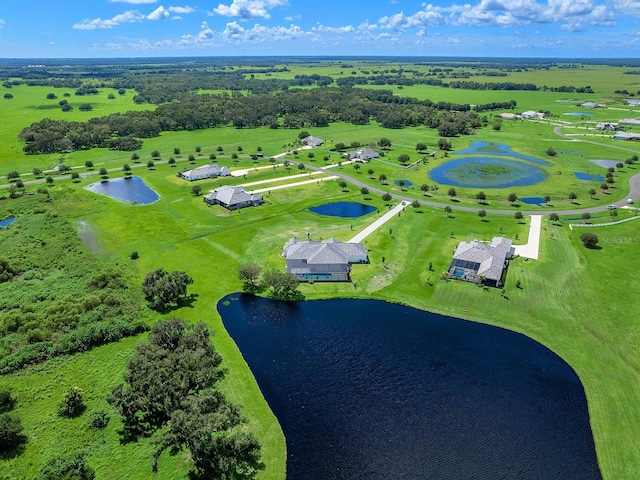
pixel 578 302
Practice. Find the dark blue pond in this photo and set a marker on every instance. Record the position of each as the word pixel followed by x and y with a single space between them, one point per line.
pixel 371 390
pixel 129 190
pixel 487 172
pixel 588 176
pixel 343 209
pixel 498 149
pixel 532 200
pixel 7 221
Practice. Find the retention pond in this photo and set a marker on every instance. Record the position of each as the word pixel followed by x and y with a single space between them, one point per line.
pixel 129 190
pixel 365 389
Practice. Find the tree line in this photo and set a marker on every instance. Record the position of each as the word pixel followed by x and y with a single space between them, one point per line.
pixel 283 109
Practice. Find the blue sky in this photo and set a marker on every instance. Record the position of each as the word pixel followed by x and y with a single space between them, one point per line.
pixel 150 28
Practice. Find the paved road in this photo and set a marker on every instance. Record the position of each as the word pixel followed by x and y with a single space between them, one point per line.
pixel 634 192
pixel 634 183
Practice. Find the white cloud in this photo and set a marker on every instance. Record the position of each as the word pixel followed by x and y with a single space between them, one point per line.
pixel 248 8
pixel 2 23
pixel 509 13
pixel 185 9
pixel 159 13
pixel 258 33
pixel 126 17
pixel 321 28
pixel 627 7
pixel 134 2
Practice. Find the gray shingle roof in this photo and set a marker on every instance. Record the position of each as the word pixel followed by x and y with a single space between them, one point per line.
pixel 489 258
pixel 229 196
pixel 328 252
pixel 206 171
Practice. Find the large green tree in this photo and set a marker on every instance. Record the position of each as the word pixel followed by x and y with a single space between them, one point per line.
pixel 170 388
pixel 164 290
pixel 11 436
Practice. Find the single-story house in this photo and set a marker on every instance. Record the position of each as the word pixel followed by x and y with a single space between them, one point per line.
pixel 634 102
pixel 592 105
pixel 626 136
pixel 233 198
pixel 326 261
pixel 607 126
pixel 312 141
pixel 362 155
pixel 205 171
pixel 531 114
pixel 487 262
pixel 629 121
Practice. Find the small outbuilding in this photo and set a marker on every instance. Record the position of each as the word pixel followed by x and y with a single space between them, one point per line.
pixel 479 262
pixel 203 172
pixel 233 198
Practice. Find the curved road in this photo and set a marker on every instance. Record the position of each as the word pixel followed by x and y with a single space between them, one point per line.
pixel 634 189
pixel 634 184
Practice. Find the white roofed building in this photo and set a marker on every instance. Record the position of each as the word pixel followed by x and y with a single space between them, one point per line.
pixel 205 171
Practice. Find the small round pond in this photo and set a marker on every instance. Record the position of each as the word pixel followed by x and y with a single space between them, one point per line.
pixel 487 172
pixel 7 221
pixel 343 209
pixel 367 389
pixel 129 190
pixel 406 183
pixel 532 200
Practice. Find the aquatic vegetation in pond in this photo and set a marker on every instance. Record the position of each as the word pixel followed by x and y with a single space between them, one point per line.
pixel 343 209
pixel 487 173
pixel 130 190
pixel 498 149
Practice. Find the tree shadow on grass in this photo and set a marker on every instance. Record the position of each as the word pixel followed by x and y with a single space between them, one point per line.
pixel 16 451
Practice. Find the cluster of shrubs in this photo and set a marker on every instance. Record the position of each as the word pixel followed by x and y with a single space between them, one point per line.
pixel 78 340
